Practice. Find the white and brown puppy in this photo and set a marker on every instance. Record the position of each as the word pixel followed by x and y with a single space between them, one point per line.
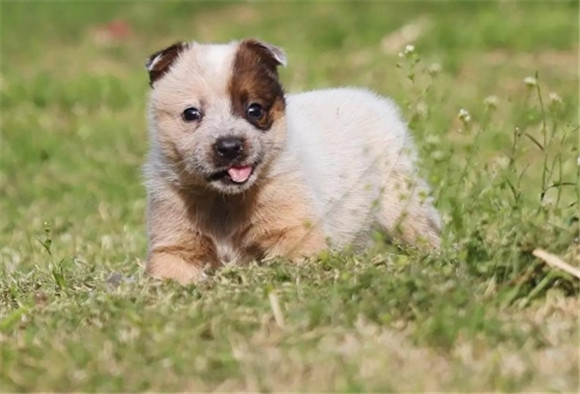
pixel 239 171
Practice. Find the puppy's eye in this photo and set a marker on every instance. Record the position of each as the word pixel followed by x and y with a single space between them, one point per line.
pixel 191 114
pixel 255 111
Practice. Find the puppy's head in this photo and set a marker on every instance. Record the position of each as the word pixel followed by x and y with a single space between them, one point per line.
pixel 217 112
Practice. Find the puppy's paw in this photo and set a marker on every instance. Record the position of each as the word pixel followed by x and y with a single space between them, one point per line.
pixel 168 266
pixel 419 225
pixel 429 229
pixel 423 229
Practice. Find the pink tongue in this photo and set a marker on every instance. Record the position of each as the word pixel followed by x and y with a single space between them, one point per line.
pixel 240 174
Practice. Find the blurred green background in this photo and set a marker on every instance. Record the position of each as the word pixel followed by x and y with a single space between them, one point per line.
pixel 73 95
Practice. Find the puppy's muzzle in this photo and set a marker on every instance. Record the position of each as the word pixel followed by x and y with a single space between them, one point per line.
pixel 229 148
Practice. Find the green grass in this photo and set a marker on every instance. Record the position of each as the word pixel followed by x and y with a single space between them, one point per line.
pixel 76 313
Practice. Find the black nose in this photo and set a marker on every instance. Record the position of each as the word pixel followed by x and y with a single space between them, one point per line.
pixel 229 147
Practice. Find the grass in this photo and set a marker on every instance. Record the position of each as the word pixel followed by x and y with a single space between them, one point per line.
pixel 76 313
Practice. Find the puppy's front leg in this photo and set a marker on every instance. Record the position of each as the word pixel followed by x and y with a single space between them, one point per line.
pixel 284 225
pixel 177 250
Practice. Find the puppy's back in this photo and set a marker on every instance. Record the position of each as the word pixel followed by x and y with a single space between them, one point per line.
pixel 349 121
pixel 349 144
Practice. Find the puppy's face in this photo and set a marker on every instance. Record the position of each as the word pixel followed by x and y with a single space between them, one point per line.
pixel 217 112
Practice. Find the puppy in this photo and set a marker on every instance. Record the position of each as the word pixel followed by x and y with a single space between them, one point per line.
pixel 240 171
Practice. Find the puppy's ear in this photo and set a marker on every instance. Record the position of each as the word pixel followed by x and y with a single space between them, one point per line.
pixel 271 55
pixel 158 63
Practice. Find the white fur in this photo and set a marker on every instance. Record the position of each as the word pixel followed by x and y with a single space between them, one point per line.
pixel 345 143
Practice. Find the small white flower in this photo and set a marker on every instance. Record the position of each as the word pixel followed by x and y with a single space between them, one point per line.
pixel 422 109
pixel 531 81
pixel 548 202
pixel 555 98
pixel 434 69
pixel 578 160
pixel 464 115
pixel 409 49
pixel 433 139
pixel 491 101
pixel 438 155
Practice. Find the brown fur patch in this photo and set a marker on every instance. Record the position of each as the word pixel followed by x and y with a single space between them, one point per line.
pixel 255 80
pixel 190 233
pixel 158 63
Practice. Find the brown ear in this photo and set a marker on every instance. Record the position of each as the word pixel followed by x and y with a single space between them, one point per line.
pixel 158 63
pixel 271 55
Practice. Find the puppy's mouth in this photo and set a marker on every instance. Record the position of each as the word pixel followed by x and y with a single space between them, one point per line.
pixel 237 174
